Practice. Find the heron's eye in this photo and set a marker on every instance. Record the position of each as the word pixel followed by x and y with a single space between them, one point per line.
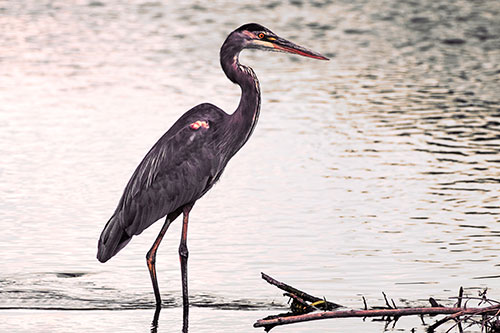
pixel 261 35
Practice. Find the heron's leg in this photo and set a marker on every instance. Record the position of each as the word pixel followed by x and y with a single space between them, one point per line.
pixel 151 260
pixel 183 256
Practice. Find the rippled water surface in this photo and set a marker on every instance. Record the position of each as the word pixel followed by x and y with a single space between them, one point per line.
pixel 376 171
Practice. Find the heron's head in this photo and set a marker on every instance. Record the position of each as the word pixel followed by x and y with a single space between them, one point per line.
pixel 255 36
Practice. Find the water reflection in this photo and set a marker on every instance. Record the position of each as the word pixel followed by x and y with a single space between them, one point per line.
pixel 154 323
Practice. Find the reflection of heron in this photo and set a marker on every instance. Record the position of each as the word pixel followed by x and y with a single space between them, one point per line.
pixel 190 157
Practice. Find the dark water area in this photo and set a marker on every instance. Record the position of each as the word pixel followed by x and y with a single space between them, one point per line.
pixel 376 171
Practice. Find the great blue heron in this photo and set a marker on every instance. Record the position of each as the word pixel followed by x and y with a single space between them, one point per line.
pixel 190 157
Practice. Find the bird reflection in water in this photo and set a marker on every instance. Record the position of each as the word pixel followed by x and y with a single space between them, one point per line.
pixel 154 323
pixel 189 159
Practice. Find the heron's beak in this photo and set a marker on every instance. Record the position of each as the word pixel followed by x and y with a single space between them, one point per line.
pixel 281 44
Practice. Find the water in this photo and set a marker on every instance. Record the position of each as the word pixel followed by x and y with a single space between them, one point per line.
pixel 377 171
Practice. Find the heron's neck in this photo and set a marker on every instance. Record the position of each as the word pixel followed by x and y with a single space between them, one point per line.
pixel 246 115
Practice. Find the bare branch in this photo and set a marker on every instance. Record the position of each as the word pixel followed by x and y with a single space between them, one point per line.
pixel 297 292
pixel 454 312
pixel 304 304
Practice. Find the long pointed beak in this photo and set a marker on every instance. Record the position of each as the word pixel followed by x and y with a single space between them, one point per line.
pixel 281 44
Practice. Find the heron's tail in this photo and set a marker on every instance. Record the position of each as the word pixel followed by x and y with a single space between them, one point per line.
pixel 113 239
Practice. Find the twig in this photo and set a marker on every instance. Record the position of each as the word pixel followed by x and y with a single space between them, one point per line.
pixel 387 302
pixel 460 294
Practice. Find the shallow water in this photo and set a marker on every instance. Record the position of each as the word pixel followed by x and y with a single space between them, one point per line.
pixel 376 171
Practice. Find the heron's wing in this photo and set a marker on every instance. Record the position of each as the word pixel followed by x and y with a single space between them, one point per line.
pixel 177 170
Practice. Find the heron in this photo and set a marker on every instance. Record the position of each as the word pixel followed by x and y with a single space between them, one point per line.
pixel 191 156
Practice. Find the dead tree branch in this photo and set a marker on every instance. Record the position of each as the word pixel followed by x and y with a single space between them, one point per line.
pixel 489 314
pixel 325 305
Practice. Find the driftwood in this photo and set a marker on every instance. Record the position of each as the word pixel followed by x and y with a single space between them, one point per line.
pixel 301 297
pixel 304 304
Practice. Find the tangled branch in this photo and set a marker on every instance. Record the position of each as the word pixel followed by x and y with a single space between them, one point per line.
pixel 306 307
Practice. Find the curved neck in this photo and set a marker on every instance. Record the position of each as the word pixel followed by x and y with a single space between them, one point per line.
pixel 246 115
